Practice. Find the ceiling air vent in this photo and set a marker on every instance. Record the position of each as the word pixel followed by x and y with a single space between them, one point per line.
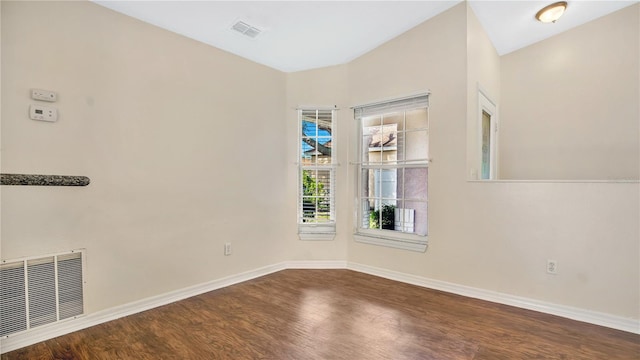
pixel 246 29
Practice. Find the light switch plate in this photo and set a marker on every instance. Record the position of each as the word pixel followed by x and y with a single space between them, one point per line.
pixel 44 95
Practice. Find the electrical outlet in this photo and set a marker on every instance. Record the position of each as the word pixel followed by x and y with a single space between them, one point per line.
pixel 227 249
pixel 552 266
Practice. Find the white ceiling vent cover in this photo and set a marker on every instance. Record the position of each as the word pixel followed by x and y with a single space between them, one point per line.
pixel 246 29
pixel 37 291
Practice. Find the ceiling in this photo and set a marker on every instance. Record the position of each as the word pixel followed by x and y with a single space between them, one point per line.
pixel 302 35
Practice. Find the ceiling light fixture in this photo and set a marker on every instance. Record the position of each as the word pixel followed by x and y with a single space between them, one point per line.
pixel 551 13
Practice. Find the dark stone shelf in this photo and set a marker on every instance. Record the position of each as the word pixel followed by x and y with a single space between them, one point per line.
pixel 43 180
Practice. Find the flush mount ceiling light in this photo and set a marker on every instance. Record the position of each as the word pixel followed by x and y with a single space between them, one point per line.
pixel 551 13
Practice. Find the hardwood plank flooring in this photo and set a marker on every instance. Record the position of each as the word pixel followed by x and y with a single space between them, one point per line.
pixel 336 314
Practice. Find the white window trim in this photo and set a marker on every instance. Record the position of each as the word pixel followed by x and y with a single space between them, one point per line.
pixel 387 238
pixel 318 231
pixel 398 241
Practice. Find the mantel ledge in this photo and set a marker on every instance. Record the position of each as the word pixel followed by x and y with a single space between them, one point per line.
pixel 43 180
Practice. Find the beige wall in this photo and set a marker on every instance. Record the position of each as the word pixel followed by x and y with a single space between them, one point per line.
pixel 569 106
pixel 177 137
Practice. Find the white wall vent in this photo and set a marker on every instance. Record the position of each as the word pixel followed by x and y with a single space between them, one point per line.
pixel 246 29
pixel 40 290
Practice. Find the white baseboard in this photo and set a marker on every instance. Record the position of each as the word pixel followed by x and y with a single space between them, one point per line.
pixel 592 317
pixel 30 337
pixel 317 264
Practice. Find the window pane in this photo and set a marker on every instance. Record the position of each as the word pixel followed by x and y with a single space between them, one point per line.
pixel 371 121
pixel 416 145
pixel 415 183
pixel 364 146
pixel 307 152
pixel 323 182
pixel 323 210
pixel 385 185
pixel 417 210
pixel 417 119
pixel 412 183
pixel 369 216
pixel 325 117
pixel 316 195
pixel 393 119
pixel 323 150
pixel 377 214
pixel 385 137
pixel 380 140
pixel 371 151
pixel 382 186
pixel 308 183
pixel 308 209
pixel 308 136
pixel 316 137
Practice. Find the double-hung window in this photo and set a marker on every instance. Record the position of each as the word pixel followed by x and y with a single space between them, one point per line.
pixel 316 174
pixel 392 173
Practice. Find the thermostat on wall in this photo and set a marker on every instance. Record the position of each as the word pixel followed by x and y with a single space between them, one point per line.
pixel 43 113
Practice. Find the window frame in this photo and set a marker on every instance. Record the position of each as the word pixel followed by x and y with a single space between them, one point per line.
pixel 383 237
pixel 317 230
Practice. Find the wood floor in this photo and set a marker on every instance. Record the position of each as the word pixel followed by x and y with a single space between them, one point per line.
pixel 336 314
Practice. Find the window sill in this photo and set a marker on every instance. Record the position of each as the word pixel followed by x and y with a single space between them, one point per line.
pixel 317 232
pixel 392 242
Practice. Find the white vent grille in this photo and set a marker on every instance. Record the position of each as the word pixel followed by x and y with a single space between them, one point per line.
pixel 246 29
pixel 39 291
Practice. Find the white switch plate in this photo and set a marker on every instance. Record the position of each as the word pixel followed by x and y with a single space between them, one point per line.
pixel 44 95
pixel 43 113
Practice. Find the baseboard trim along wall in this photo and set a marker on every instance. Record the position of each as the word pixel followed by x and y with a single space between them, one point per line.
pixel 317 264
pixel 592 317
pixel 33 336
